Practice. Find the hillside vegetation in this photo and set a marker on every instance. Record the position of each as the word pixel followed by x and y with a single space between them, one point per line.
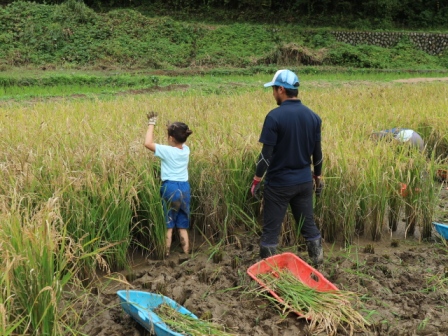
pixel 352 14
pixel 73 35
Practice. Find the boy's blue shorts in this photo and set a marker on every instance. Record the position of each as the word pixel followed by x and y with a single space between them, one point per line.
pixel 176 204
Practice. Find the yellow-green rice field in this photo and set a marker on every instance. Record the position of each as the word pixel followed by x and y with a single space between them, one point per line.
pixel 78 190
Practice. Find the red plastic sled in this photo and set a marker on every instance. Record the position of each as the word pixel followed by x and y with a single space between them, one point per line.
pixel 299 268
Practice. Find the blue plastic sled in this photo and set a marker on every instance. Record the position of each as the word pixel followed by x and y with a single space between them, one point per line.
pixel 140 306
pixel 442 229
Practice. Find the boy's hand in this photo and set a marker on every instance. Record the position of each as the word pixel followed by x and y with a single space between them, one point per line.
pixel 152 118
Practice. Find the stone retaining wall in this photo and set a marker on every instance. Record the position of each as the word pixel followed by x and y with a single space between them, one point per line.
pixel 432 43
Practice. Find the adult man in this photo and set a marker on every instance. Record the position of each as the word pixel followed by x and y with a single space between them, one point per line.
pixel 291 135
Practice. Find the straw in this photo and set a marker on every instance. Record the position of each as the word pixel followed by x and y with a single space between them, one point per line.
pixel 187 324
pixel 325 310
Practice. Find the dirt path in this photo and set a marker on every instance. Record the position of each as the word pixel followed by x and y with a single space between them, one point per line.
pixel 419 80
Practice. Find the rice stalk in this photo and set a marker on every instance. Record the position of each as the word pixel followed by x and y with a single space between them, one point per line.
pixel 188 325
pixel 326 311
pixel 150 231
pixel 38 261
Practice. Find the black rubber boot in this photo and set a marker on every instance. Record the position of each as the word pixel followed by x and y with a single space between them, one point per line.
pixel 315 252
pixel 267 251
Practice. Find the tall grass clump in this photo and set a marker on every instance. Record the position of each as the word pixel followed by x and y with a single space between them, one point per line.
pixel 420 193
pixel 222 164
pixel 362 176
pixel 377 188
pixel 100 214
pixel 149 233
pixel 38 263
pixel 59 156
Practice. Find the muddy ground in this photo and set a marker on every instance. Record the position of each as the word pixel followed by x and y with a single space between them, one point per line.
pixel 404 288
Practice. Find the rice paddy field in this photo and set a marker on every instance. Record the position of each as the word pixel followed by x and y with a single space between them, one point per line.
pixel 81 215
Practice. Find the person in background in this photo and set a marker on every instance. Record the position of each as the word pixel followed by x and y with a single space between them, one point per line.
pixel 402 135
pixel 409 137
pixel 175 189
pixel 291 138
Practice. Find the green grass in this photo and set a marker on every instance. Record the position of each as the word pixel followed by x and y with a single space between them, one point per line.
pixel 46 84
pixel 20 92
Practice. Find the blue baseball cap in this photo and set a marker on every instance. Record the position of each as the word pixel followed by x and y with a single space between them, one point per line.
pixel 285 78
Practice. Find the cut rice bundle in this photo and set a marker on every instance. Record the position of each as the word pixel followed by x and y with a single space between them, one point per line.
pixel 325 310
pixel 188 325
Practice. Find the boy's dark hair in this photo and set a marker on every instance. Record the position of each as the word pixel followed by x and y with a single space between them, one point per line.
pixel 179 131
pixel 290 93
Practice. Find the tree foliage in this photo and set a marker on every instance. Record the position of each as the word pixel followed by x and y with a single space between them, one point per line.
pixel 383 14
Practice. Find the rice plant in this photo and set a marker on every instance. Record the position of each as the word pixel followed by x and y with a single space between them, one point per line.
pixel 326 311
pixel 38 262
pixel 187 325
pixel 150 231
pixel 89 155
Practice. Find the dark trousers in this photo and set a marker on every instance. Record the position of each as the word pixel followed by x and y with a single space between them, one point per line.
pixel 276 200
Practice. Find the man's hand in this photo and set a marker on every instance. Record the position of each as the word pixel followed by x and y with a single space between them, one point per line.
pixel 152 118
pixel 318 185
pixel 255 188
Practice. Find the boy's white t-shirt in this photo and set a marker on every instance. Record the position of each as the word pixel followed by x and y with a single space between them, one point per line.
pixel 174 166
